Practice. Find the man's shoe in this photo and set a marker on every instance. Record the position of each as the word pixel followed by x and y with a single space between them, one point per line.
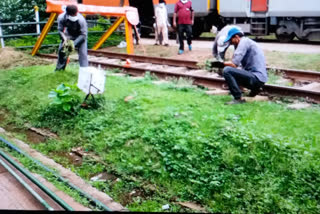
pixel 190 48
pixel 180 52
pixel 233 102
pixel 166 44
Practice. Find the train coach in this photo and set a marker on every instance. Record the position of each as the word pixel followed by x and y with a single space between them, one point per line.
pixel 286 18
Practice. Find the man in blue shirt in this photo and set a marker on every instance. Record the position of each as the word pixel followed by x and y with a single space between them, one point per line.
pixel 252 75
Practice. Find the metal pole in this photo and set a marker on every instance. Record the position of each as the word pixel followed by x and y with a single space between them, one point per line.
pixel 89 197
pixel 36 10
pixel 36 182
pixel 2 40
pixel 23 183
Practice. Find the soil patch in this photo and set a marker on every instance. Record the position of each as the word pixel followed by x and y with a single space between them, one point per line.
pixel 10 58
pixel 2 117
pixel 105 176
pixel 127 198
pixel 71 157
pixel 12 128
pixel 167 52
pixel 34 137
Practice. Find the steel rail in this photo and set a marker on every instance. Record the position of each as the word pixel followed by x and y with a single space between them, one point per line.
pixel 262 40
pixel 214 81
pixel 298 74
pixel 147 59
pixel 205 80
pixel 66 181
pixel 26 186
pixel 288 73
pixel 38 183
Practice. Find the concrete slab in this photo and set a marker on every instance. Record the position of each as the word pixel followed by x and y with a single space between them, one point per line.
pixel 297 106
pixel 315 86
pixel 116 74
pixel 256 99
pixel 217 92
pixel 198 72
pixel 176 69
pixel 69 200
pixel 159 82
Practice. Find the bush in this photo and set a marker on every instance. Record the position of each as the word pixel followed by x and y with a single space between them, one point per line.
pixel 65 97
pixel 21 11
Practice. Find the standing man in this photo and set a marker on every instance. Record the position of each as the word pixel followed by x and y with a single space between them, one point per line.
pixel 253 74
pixel 72 26
pixel 162 23
pixel 183 9
pixel 220 47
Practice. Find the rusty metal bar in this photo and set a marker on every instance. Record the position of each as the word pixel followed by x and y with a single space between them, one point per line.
pixel 291 91
pixel 139 58
pixel 298 74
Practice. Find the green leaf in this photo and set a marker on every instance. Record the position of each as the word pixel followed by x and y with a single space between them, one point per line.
pixel 66 106
pixel 52 94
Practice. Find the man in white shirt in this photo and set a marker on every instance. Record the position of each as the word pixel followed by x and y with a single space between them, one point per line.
pixel 219 46
pixel 162 23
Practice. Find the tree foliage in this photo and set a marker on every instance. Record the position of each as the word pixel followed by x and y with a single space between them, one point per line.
pixel 21 11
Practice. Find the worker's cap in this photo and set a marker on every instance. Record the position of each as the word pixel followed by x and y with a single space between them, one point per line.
pixel 233 31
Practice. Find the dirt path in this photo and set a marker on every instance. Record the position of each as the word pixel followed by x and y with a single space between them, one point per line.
pixel 294 56
pixel 284 47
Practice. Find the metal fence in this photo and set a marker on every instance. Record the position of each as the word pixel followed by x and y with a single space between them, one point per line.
pixel 37 24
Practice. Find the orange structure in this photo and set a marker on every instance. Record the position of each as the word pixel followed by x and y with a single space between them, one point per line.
pixel 117 3
pixel 127 14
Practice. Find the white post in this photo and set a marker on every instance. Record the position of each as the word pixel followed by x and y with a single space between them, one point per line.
pixel 36 10
pixel 2 40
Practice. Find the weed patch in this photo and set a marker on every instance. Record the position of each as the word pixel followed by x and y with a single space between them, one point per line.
pixel 168 146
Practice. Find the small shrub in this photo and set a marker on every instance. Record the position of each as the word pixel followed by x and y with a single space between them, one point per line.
pixel 65 97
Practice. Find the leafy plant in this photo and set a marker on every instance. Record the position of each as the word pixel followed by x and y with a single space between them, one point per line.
pixel 65 97
pixel 207 65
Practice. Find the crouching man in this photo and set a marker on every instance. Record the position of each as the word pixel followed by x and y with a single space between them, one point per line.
pixel 252 75
pixel 72 26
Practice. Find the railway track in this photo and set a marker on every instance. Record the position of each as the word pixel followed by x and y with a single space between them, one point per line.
pixel 257 39
pixel 293 74
pixel 168 68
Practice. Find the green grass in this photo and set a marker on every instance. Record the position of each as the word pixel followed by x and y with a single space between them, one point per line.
pixel 293 60
pixel 178 144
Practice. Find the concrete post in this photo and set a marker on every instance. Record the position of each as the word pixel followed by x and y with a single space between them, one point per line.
pixel 36 10
pixel 2 40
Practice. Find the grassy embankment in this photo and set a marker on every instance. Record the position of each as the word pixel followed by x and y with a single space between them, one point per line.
pixel 173 144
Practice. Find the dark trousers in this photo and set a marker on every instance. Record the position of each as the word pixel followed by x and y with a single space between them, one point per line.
pixel 235 77
pixel 183 28
pixel 83 56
